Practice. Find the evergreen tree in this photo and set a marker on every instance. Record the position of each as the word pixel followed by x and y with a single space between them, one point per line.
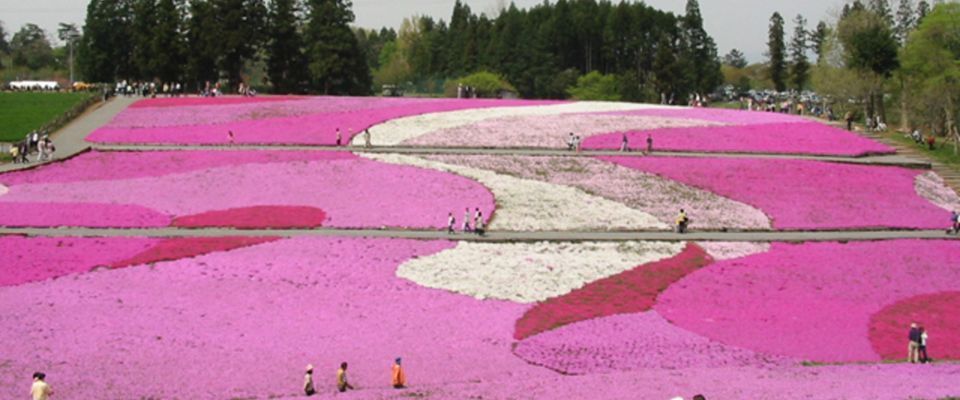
pixel 906 21
pixel 286 64
pixel 203 45
pixel 800 69
pixel 240 25
pixel 923 8
pixel 818 38
pixel 106 45
pixel 776 52
pixel 336 62
pixel 882 9
pixel 167 41
pixel 701 57
pixel 4 45
pixel 735 59
pixel 665 71
pixel 143 28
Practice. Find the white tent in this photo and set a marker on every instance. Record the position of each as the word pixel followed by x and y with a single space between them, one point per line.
pixel 34 85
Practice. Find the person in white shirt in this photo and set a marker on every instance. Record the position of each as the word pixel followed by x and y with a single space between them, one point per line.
pixel 40 390
pixel 466 220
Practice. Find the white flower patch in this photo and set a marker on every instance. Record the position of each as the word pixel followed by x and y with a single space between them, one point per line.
pixel 729 250
pixel 530 272
pixel 396 131
pixel 3 189
pixel 529 205
pixel 931 187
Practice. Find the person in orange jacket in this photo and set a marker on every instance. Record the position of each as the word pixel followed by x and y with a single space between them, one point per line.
pixel 398 379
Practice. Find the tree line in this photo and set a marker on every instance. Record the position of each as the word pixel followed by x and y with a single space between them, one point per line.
pixel 877 57
pixel 544 51
pixel 302 45
pixel 309 46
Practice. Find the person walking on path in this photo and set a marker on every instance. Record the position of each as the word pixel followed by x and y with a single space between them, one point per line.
pixel 40 390
pixel 570 142
pixel 849 118
pixel 954 222
pixel 478 222
pixel 922 349
pixel 466 220
pixel 366 138
pixel 397 378
pixel 230 136
pixel 339 137
pixel 649 144
pixel 342 383
pixel 913 348
pixel 308 388
pixel 451 223
pixel 624 144
pixel 682 221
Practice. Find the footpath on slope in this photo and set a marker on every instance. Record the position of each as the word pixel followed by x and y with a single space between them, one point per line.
pixel 496 236
pixel 877 160
pixel 71 139
pixel 950 174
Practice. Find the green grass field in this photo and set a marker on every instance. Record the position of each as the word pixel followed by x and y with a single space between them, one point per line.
pixel 21 113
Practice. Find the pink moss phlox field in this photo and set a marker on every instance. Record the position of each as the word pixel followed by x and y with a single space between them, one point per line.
pixel 203 101
pixel 260 314
pixel 633 291
pixel 114 165
pixel 630 342
pixel 541 131
pixel 809 301
pixel 282 122
pixel 637 189
pixel 786 138
pixel 352 191
pixel 718 115
pixel 214 111
pixel 24 260
pixel 874 382
pixel 257 217
pixel 178 248
pixel 802 194
pixel 936 313
pixel 91 214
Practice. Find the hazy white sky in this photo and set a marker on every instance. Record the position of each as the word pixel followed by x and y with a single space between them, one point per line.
pixel 733 23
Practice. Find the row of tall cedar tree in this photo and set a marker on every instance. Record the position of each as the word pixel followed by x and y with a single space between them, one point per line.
pixel 308 46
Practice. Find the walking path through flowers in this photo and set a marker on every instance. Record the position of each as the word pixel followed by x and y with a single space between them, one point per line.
pixel 494 236
pixel 880 160
pixel 167 250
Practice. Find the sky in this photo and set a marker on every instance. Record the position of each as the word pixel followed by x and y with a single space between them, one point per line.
pixel 740 24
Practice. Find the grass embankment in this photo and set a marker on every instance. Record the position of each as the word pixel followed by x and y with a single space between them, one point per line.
pixel 942 150
pixel 22 112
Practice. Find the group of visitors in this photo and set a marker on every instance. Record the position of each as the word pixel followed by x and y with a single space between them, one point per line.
pixel 697 101
pixel 573 142
pixel 398 379
pixel 476 218
pixel 466 92
pixel 917 349
pixel 928 140
pixel 34 142
pixel 246 91
pixel 149 89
